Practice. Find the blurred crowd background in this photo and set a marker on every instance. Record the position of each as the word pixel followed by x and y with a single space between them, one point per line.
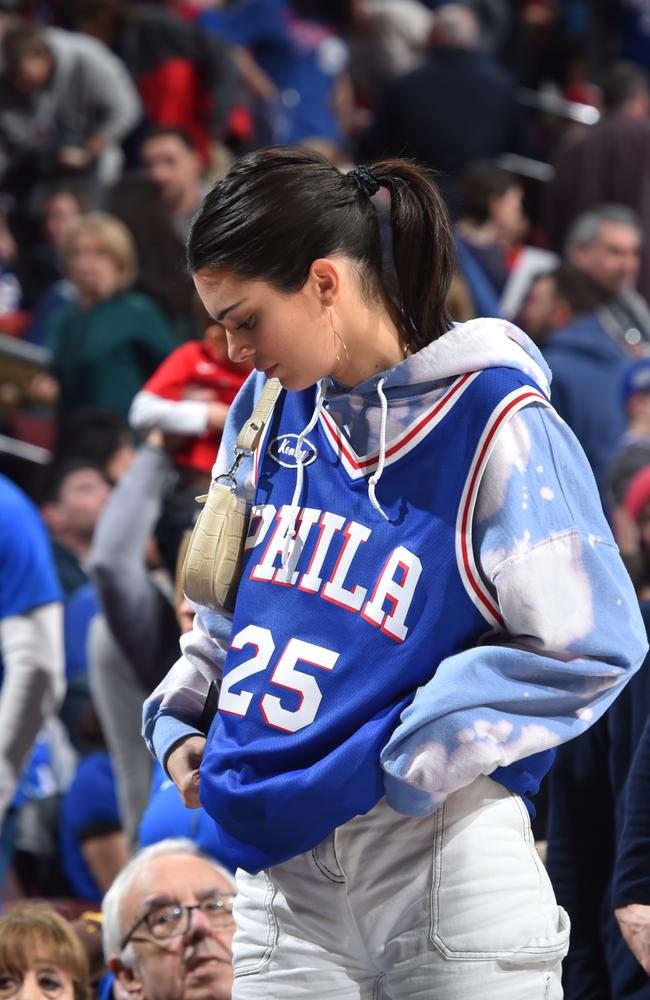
pixel 115 118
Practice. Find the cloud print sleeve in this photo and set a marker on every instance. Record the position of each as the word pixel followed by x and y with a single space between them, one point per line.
pixel 574 634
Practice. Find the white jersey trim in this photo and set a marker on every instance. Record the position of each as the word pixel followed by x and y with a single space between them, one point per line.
pixel 358 466
pixel 472 581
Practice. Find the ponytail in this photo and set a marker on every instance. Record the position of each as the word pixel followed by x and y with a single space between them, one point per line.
pixel 279 209
pixel 423 250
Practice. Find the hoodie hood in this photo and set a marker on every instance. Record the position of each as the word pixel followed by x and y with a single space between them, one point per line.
pixel 377 410
pixel 467 347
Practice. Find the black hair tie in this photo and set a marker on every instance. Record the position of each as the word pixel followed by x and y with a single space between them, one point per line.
pixel 364 180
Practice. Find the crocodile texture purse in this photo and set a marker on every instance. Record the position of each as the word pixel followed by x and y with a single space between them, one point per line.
pixel 213 561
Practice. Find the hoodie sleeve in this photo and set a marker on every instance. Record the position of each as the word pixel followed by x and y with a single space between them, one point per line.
pixel 174 709
pixel 574 634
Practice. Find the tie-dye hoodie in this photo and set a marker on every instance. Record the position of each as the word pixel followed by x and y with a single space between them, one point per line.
pixel 574 634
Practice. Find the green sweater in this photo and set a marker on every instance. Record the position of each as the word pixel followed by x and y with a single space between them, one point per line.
pixel 103 355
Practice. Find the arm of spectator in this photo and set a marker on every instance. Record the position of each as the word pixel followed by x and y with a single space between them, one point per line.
pixel 113 92
pixel 258 83
pixel 631 884
pixel 222 74
pixel 33 686
pixel 344 104
pixel 106 855
pixel 186 416
pixel 132 602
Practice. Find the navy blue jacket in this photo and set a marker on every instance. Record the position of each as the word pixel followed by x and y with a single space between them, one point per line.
pixel 632 873
pixel 458 106
pixel 586 798
pixel 587 366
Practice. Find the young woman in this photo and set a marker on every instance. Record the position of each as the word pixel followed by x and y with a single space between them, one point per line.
pixel 430 595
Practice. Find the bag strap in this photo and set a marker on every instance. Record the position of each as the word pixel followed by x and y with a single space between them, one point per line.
pixel 250 434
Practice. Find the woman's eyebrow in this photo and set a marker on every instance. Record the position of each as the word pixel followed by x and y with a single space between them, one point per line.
pixel 224 312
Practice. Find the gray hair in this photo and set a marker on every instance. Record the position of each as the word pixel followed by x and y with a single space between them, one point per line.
pixel 112 930
pixel 586 227
pixel 455 25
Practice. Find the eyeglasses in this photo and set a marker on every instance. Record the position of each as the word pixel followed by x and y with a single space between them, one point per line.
pixel 173 919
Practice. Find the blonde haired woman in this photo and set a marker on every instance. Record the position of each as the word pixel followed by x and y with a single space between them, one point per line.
pixel 41 956
pixel 107 343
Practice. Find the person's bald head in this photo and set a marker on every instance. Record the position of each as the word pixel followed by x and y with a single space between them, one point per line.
pixel 457 27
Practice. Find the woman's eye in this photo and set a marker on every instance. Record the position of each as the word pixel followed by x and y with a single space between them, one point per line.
pixel 248 324
pixel 50 984
pixel 8 983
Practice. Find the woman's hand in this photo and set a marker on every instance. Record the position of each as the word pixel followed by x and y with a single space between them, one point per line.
pixel 183 768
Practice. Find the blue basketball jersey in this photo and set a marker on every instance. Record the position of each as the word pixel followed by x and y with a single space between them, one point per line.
pixel 342 615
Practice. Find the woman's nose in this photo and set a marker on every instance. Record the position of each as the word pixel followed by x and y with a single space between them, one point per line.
pixel 238 349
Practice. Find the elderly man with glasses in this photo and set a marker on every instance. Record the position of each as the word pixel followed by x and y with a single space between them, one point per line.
pixel 168 925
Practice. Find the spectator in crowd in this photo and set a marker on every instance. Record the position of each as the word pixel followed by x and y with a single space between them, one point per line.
pixel 587 366
pixel 631 888
pixel 459 106
pixel 170 159
pixel 108 342
pixel 633 450
pixel 490 240
pixel 545 307
pixel 136 640
pixel 297 48
pixel 186 77
pixel 189 396
pixel 168 925
pixel 138 201
pixel 42 267
pixel 586 796
pixel 72 498
pixel 41 957
pixel 117 696
pixel 72 495
pixel 607 163
pixel 605 243
pixel 633 531
pixel 100 437
pixel 66 103
pixel 93 846
pixel 31 635
pixel 388 39
pixel 491 222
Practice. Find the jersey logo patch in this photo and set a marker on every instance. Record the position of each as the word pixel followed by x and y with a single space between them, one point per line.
pixel 283 451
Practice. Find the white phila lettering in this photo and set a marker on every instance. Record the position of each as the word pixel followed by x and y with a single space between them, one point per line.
pixel 398 594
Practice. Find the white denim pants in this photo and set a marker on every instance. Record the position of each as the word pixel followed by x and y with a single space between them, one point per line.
pixel 453 906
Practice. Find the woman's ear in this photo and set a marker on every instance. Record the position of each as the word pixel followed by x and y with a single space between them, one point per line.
pixel 325 277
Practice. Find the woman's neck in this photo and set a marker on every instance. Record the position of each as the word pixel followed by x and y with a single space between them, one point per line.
pixel 371 344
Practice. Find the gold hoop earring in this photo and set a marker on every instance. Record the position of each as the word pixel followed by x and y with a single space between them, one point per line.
pixel 338 337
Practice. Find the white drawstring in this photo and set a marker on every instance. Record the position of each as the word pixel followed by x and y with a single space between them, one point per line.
pixel 376 476
pixel 295 500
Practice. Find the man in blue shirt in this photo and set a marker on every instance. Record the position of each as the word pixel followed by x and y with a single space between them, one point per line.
pixel 31 634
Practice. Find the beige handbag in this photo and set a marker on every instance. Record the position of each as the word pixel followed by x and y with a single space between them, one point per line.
pixel 213 561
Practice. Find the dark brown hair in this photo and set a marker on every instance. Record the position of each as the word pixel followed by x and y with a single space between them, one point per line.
pixel 481 183
pixel 281 208
pixel 25 39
